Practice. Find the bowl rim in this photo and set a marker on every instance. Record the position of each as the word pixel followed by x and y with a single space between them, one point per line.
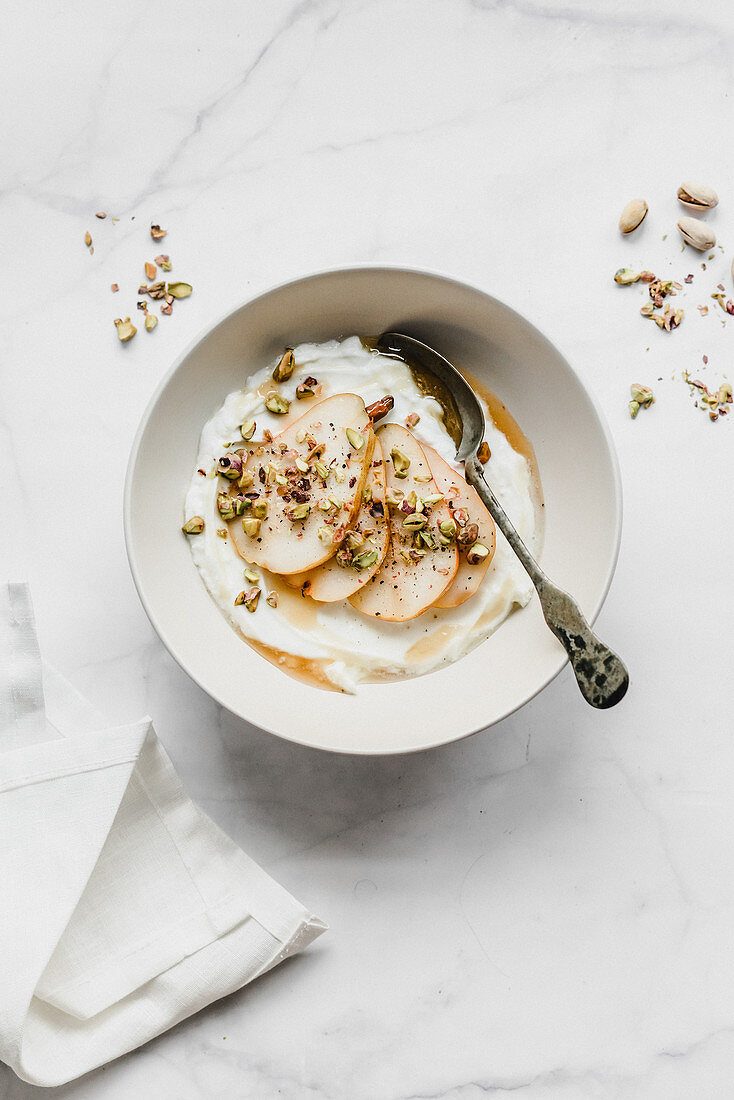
pixel 441 276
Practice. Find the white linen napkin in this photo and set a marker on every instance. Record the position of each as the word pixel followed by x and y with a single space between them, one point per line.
pixel 123 908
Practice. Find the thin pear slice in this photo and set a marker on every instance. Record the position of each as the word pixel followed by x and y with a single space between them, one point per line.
pixel 308 481
pixel 411 579
pixel 364 548
pixel 462 497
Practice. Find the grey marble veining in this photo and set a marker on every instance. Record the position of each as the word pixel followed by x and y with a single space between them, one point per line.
pixel 547 909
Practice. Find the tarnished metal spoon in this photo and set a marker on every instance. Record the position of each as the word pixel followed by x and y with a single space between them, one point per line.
pixel 601 675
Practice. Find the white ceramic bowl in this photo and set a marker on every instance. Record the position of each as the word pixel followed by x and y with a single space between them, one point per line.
pixel 577 466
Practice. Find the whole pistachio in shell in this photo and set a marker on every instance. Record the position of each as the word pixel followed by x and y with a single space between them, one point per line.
pixel 697 196
pixel 633 215
pixel 697 234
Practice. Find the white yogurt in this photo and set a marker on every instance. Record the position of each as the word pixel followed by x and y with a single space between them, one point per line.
pixel 350 647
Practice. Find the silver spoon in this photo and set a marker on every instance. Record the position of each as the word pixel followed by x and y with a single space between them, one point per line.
pixel 601 675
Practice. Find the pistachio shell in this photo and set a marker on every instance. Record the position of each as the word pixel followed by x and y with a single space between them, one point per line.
pixel 632 215
pixel 697 196
pixel 697 234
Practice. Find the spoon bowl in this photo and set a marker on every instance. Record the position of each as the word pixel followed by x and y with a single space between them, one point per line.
pixel 600 674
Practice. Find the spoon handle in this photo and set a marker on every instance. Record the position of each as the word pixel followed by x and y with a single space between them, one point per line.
pixel 601 675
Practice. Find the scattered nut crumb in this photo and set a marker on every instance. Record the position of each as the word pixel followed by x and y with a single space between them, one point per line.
pixel 114 288
pixel 101 215
pixel 157 233
pixel 150 271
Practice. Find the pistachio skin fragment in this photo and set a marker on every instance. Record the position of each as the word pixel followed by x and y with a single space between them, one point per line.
pixel 632 215
pixel 276 404
pixel 193 526
pixel 697 196
pixel 625 276
pixel 380 408
pixel 697 234
pixel 285 366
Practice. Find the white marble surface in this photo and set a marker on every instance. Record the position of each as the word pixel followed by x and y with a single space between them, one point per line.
pixel 547 909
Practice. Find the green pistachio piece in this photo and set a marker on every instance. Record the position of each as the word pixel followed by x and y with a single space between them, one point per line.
pixel 251 597
pixel 125 329
pixel 193 526
pixel 401 463
pixel 300 511
pixel 634 408
pixel 643 395
pixel 260 508
pixel 285 367
pixel 276 404
pixel 626 276
pixel 355 438
pixel 322 470
pixel 247 430
pixel 476 553
pixel 447 527
pixel 365 560
pixel 150 322
pixel 179 290
pixel 251 527
pixel 416 522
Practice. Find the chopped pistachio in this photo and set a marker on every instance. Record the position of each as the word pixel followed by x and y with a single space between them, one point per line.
pixel 365 560
pixel 354 540
pixel 302 465
pixel 150 322
pixel 325 534
pixel 157 233
pixel 626 276
pixel 306 388
pixel 414 522
pixel 247 430
pixel 401 463
pixel 276 404
pixel 88 239
pixel 643 395
pixel 324 505
pixel 272 599
pixel 322 470
pixel 125 329
pixel 239 598
pixel 300 511
pixel 251 526
pixel 251 597
pixel 179 290
pixel 427 538
pixel 285 366
pixel 225 506
pixel 634 408
pixel 476 553
pixel 447 527
pixel 260 508
pixel 355 438
pixel 193 526
pixel 150 270
pixel 222 532
pixel 433 499
pixel 281 479
pixel 247 479
pixel 411 420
